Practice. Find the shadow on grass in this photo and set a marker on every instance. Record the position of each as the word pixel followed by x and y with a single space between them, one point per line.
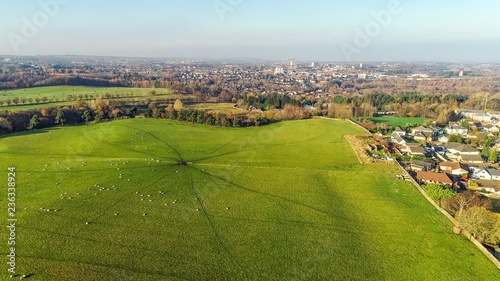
pixel 26 133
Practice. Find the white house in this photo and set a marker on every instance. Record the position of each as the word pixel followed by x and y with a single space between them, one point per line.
pixel 461 149
pixel 495 173
pixel 481 173
pixel 399 131
pixel 455 129
pixel 396 138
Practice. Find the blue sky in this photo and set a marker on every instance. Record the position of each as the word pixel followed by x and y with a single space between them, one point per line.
pixel 318 30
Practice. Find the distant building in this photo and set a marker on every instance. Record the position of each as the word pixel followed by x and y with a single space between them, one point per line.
pixel 399 131
pixel 455 129
pixel 396 138
pixel 291 62
pixel 279 70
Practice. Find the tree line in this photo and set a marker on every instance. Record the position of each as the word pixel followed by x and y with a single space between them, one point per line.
pixel 100 110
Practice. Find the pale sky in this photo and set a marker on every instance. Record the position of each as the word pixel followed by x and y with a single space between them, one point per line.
pixel 321 30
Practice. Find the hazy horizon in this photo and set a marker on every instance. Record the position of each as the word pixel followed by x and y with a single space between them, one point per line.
pixel 322 30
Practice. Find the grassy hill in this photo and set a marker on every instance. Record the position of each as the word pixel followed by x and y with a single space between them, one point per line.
pixel 166 201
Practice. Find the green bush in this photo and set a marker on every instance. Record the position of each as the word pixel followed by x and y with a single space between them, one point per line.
pixel 439 192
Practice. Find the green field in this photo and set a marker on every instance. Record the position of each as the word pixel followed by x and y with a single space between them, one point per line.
pixel 57 95
pixel 221 107
pixel 287 201
pixel 398 121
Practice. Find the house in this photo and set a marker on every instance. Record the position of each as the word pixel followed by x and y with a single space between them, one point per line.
pixel 484 117
pixel 416 151
pixel 481 173
pixel 457 149
pixel 456 129
pixel 443 139
pixel 477 115
pixel 425 165
pixel 397 139
pixel 495 114
pixel 421 129
pixel 454 168
pixel 476 159
pixel 399 132
pixel 492 128
pixel 423 136
pixel 476 126
pixel 495 173
pixel 431 177
pixel 471 113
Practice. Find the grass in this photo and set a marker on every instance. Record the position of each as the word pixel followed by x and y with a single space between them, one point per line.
pixel 398 121
pixel 220 107
pixel 300 207
pixel 57 95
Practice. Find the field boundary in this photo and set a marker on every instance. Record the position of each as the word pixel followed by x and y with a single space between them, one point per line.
pixel 452 219
pixel 364 129
pixel 353 147
pixel 349 120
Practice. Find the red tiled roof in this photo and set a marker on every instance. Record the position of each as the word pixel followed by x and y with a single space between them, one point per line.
pixel 454 165
pixel 434 177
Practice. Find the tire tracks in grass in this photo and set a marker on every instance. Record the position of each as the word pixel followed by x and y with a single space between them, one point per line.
pixel 224 145
pixel 110 266
pixel 212 226
pixel 157 138
pixel 328 214
pixel 138 249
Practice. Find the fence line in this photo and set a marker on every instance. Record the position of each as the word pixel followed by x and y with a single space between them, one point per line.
pixel 353 149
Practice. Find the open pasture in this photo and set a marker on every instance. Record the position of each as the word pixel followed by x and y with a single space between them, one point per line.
pixel 58 95
pixel 398 121
pixel 149 199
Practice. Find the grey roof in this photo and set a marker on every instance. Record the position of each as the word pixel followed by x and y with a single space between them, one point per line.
pixel 472 158
pixel 417 150
pixel 423 129
pixel 397 138
pixel 422 163
pixel 494 172
pixel 472 111
pixel 460 147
